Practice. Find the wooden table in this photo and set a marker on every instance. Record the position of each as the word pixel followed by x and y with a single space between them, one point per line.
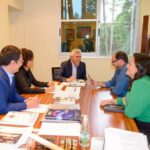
pixel 90 99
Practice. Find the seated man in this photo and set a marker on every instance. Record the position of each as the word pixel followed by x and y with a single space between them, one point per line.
pixel 10 100
pixel 119 83
pixel 73 68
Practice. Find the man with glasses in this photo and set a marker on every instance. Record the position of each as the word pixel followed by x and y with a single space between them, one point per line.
pixel 10 100
pixel 119 83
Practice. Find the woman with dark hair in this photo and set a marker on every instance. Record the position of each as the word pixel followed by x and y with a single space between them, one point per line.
pixel 25 79
pixel 137 101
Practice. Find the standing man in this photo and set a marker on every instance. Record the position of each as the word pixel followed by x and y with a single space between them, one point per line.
pixel 73 68
pixel 119 83
pixel 10 100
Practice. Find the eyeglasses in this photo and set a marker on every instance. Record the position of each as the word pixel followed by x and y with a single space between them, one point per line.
pixel 115 60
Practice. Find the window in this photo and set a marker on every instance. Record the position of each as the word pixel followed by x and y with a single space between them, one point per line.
pixel 99 27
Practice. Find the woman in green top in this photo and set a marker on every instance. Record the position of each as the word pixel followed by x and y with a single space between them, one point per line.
pixel 137 101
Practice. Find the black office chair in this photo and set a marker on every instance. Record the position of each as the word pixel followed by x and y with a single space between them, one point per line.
pixel 55 73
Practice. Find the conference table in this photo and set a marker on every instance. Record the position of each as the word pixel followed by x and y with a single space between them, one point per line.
pixel 90 98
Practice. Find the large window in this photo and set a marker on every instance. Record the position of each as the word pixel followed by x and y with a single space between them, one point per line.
pixel 99 27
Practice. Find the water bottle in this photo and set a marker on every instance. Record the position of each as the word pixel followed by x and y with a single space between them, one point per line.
pixel 84 134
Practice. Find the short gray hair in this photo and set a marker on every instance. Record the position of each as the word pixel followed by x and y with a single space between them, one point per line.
pixel 75 51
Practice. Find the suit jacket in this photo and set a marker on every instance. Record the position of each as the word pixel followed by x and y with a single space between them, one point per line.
pixel 24 80
pixel 66 70
pixel 10 100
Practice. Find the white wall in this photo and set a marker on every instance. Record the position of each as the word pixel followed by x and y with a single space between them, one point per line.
pixel 5 24
pixel 42 24
pixel 36 27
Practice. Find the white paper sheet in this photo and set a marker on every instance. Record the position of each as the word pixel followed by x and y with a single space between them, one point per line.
pixel 117 139
pixel 97 143
pixel 64 129
pixel 41 109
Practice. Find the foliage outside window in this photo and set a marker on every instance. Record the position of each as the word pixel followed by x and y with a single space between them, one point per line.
pixel 99 27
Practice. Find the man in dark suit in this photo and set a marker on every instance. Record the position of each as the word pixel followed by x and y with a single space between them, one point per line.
pixel 73 68
pixel 10 100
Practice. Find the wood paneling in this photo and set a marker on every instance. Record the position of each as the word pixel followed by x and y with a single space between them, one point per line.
pixel 144 34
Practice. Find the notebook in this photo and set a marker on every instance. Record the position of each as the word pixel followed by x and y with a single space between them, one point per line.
pixel 113 108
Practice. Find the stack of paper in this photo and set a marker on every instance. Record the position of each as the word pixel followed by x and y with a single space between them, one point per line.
pixel 20 118
pixel 69 93
pixel 42 108
pixel 64 106
pixel 117 139
pixel 78 83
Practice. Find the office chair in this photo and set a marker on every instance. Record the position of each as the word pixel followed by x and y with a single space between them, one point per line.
pixel 55 73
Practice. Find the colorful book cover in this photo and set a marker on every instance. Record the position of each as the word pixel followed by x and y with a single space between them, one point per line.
pixel 63 115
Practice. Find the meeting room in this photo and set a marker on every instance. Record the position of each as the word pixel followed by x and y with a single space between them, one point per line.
pixel 74 74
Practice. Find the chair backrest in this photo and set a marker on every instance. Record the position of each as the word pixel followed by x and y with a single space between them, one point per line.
pixel 55 73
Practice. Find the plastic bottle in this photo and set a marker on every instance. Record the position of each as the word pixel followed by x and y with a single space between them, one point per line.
pixel 84 135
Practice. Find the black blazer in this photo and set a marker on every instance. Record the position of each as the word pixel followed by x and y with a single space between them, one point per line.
pixel 66 70
pixel 24 80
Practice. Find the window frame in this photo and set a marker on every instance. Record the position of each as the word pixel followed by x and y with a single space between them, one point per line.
pixel 97 52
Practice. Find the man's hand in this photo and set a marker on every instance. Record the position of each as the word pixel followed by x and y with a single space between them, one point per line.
pixel 109 101
pixel 97 83
pixel 71 79
pixel 50 89
pixel 32 102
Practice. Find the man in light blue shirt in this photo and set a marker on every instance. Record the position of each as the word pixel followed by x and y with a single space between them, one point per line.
pixel 119 83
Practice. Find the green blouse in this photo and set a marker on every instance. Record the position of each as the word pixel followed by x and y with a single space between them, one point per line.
pixel 138 100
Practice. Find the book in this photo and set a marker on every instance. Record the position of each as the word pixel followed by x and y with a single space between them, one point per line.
pixel 117 139
pixel 46 142
pixel 20 118
pixel 11 138
pixel 113 108
pixel 64 106
pixel 63 115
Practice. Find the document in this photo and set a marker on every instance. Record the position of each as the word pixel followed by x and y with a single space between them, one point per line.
pixel 117 139
pixel 97 143
pixel 72 93
pixel 64 129
pixel 64 106
pixel 42 108
pixel 78 83
pixel 20 118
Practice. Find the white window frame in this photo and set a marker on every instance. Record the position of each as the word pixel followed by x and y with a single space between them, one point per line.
pixel 96 54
